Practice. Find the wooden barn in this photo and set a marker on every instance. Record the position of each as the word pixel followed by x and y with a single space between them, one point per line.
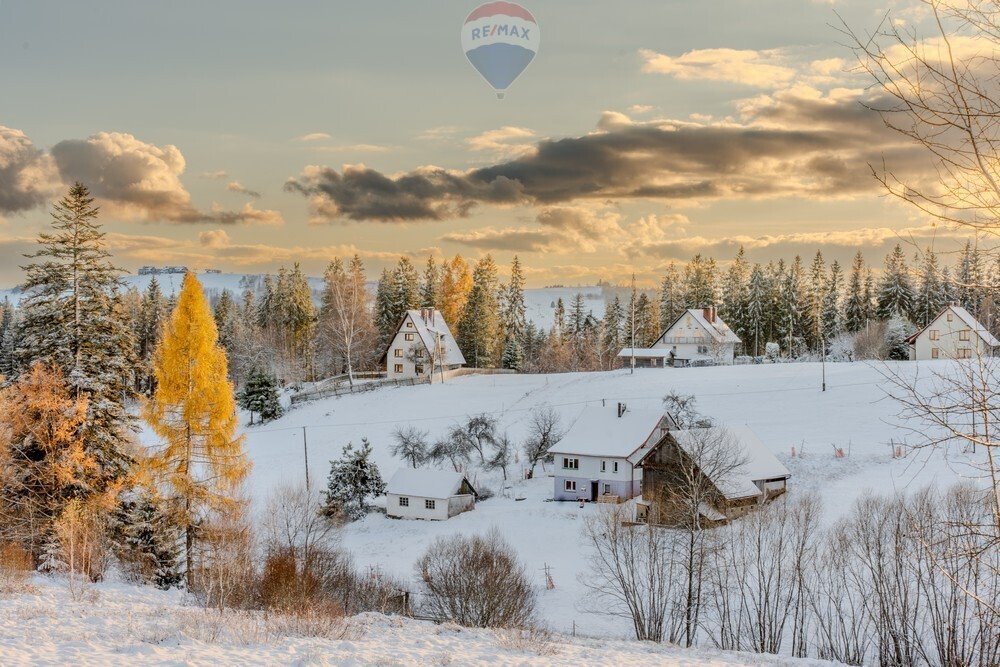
pixel 726 471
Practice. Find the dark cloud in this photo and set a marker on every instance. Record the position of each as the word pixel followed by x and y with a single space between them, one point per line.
pixel 27 178
pixel 789 144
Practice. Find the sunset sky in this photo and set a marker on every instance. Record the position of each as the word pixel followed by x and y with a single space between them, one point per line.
pixel 247 134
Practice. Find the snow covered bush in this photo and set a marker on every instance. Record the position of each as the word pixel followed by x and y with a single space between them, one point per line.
pixel 772 351
pixel 146 543
pixel 476 581
pixel 260 396
pixel 353 479
pixel 841 348
pixel 897 330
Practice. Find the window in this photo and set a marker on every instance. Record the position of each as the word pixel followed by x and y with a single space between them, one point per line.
pixel 404 501
pixel 408 337
pixel 418 353
pixel 409 325
pixel 607 489
pixel 571 464
pixel 569 485
pixel 951 317
pixel 964 353
pixel 429 504
pixel 703 349
pixel 398 353
pixel 616 466
pixel 604 466
pixel 935 352
pixel 418 369
pixel 963 335
pixel 935 334
pixel 398 368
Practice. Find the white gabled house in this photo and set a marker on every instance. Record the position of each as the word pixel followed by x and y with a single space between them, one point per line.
pixel 436 495
pixel 698 334
pixel 423 344
pixel 597 457
pixel 953 334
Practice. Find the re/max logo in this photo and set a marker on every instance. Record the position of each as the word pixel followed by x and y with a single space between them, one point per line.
pixel 501 31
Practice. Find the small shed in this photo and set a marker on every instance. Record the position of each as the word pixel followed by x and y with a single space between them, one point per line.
pixel 436 495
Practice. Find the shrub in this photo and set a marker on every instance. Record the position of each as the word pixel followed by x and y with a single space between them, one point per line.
pixel 477 582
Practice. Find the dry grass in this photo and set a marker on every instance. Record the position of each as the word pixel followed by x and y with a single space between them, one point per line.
pixel 16 566
pixel 528 639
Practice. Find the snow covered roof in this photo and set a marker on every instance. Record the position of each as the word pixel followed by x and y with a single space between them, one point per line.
pixel 431 326
pixel 968 320
pixel 645 353
pixel 424 483
pixel 601 432
pixel 717 329
pixel 760 464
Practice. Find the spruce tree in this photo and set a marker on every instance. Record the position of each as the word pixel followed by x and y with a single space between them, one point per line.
pixel 614 317
pixel 73 317
pixel 855 305
pixel 830 318
pixel 577 316
pixel 969 281
pixel 930 297
pixel 895 293
pixel 9 332
pixel 513 355
pixel 386 319
pixel 816 301
pixel 146 540
pixel 732 308
pixel 406 284
pixel 758 298
pixel 353 479
pixel 479 326
pixel 431 284
pixel 699 282
pixel 193 412
pixel 513 316
pixel 671 297
pixel 260 396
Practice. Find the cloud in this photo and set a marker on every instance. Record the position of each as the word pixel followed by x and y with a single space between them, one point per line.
pixel 558 230
pixel 216 238
pixel 796 143
pixel 138 180
pixel 27 175
pixel 762 69
pixel 215 175
pixel 237 187
pixel 354 148
pixel 314 136
pixel 507 141
pixel 640 108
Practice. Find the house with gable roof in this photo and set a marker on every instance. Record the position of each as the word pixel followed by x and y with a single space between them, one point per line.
pixel 699 334
pixel 423 344
pixel 953 334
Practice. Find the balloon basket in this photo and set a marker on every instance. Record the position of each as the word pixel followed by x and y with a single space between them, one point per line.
pixel 500 95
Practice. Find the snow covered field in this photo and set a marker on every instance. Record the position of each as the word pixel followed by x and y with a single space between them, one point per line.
pixel 124 625
pixel 782 403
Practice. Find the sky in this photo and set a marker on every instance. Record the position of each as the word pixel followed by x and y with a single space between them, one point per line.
pixel 244 135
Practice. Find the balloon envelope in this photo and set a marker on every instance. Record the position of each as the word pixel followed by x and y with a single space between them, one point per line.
pixel 500 39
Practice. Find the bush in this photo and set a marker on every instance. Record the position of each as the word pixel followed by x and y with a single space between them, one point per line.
pixel 476 582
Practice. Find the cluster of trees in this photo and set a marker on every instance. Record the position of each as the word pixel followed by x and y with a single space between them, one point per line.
pixel 76 491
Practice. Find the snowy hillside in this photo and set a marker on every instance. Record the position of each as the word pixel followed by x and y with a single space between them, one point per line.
pixel 783 404
pixel 122 625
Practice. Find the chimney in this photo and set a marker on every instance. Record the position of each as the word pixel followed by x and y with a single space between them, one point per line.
pixel 622 408
pixel 709 314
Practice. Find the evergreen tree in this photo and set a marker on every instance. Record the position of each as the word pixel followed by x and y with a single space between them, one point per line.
pixel 614 317
pixel 73 317
pixel 146 540
pixel 353 479
pixel 193 412
pixel 300 321
pixel 386 318
pixel 431 285
pixel 671 297
pixel 856 305
pixel 9 334
pixel 758 298
pixel 479 326
pixel 817 301
pixel 260 396
pixel 699 282
pixel 152 315
pixel 577 316
pixel 830 318
pixel 969 281
pixel 559 318
pixel 513 355
pixel 734 295
pixel 513 315
pixel 407 287
pixel 895 293
pixel 930 297
pixel 346 330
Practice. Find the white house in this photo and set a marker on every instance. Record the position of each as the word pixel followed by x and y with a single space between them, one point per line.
pixel 437 495
pixel 598 455
pixel 423 344
pixel 698 334
pixel 953 334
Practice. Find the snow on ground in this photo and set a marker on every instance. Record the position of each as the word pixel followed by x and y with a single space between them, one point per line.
pixel 116 624
pixel 782 403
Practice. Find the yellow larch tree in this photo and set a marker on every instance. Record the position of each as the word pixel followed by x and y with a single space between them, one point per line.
pixel 456 283
pixel 201 462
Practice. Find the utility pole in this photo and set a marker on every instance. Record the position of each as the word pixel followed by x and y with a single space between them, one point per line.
pixel 305 455
pixel 632 368
pixel 823 362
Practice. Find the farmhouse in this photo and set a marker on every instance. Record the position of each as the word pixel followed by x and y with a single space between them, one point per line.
pixel 731 468
pixel 423 344
pixel 953 334
pixel 697 335
pixel 435 495
pixel 596 458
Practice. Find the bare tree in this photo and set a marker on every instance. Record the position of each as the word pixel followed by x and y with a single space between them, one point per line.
pixel 476 581
pixel 683 409
pixel 410 445
pixel 544 432
pixel 635 571
pixel 503 454
pixel 346 328
pixel 479 433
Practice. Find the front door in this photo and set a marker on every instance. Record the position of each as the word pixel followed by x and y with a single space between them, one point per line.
pixel 593 491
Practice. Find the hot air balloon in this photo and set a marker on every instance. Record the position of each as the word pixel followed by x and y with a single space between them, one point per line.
pixel 500 39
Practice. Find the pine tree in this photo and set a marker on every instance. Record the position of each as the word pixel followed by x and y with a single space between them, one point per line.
pixel 513 355
pixel 260 396
pixel 817 301
pixel 147 542
pixel 856 305
pixel 734 291
pixel 930 297
pixel 353 479
pixel 513 316
pixel 758 298
pixel 193 412
pixel 9 334
pixel 73 317
pixel 969 281
pixel 479 326
pixel 830 319
pixel 614 317
pixel 431 285
pixel 407 287
pixel 559 318
pixel 671 297
pixel 577 316
pixel 895 293
pixel 300 322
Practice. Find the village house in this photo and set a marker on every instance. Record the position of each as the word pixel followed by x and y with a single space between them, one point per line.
pixel 596 459
pixel 434 495
pixel 423 344
pixel 953 334
pixel 670 470
pixel 697 335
